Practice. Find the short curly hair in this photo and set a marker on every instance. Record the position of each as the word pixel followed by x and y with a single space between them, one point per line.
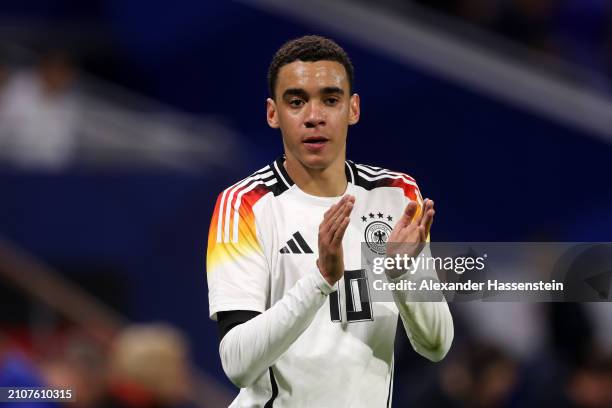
pixel 308 48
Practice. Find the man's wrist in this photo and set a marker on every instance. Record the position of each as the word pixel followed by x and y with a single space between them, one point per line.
pixel 397 271
pixel 323 284
pixel 330 281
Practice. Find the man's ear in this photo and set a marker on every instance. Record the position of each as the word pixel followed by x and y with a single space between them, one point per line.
pixel 354 109
pixel 272 113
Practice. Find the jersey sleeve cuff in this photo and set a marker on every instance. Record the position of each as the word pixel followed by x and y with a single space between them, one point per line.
pixel 322 284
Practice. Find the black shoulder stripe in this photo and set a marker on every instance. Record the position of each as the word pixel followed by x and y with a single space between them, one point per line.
pixel 367 184
pixel 368 171
pixel 254 177
pixel 283 181
pixel 259 172
pixel 351 171
pixel 371 167
pixel 266 177
pixel 362 181
pixel 383 177
pixel 269 178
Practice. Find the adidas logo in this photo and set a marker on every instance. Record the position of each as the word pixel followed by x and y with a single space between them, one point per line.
pixel 296 245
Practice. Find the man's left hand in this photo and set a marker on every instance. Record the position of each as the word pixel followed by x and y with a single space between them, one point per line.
pixel 411 231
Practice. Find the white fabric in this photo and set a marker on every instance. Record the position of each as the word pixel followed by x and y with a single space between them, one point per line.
pixel 429 325
pixel 248 349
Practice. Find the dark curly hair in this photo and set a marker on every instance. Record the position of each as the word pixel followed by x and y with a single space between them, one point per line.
pixel 308 48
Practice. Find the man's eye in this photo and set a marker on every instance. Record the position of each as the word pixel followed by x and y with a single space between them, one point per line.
pixel 331 101
pixel 296 103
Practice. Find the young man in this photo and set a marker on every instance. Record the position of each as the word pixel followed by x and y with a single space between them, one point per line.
pixel 284 242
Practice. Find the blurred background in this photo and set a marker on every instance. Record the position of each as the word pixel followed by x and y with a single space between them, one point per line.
pixel 120 122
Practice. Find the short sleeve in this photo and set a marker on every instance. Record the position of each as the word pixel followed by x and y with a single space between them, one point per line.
pixel 236 269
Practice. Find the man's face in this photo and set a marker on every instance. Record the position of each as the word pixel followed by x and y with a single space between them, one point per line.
pixel 313 110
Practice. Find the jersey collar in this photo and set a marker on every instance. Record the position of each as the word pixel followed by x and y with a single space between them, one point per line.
pixel 281 173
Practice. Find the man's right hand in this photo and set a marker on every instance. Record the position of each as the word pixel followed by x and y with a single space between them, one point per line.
pixel 331 232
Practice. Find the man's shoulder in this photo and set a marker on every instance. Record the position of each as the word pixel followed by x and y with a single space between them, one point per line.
pixel 249 190
pixel 372 177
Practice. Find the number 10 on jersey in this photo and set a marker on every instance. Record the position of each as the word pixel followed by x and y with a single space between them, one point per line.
pixel 357 301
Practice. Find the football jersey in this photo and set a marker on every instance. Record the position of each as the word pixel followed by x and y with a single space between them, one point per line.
pixel 263 238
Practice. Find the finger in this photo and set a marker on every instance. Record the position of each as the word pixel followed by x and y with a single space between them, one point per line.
pixel 418 220
pixel 331 212
pixel 340 207
pixel 345 212
pixel 428 215
pixel 339 233
pixel 419 214
pixel 422 233
pixel 429 220
pixel 408 215
pixel 330 215
pixel 427 206
pixel 346 201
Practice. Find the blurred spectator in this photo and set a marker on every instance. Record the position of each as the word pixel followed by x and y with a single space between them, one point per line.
pixel 480 375
pixel 590 386
pixel 17 370
pixel 38 115
pixel 600 315
pixel 80 367
pixel 571 332
pixel 148 368
pixel 487 322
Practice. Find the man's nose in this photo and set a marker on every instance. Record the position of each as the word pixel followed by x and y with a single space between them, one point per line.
pixel 314 115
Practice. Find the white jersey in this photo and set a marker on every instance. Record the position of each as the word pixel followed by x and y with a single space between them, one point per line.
pixel 263 238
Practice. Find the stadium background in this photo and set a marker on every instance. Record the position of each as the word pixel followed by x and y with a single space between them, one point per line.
pixel 500 110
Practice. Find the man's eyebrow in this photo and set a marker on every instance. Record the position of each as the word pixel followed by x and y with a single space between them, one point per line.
pixel 332 90
pixel 303 94
pixel 295 92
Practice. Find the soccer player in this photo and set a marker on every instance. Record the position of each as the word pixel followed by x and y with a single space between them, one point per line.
pixel 285 282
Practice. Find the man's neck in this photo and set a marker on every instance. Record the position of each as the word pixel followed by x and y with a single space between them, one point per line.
pixel 328 182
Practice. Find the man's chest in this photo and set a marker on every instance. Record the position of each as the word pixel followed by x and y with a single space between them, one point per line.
pixel 292 248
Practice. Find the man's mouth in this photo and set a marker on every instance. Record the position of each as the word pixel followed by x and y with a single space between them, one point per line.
pixel 315 140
